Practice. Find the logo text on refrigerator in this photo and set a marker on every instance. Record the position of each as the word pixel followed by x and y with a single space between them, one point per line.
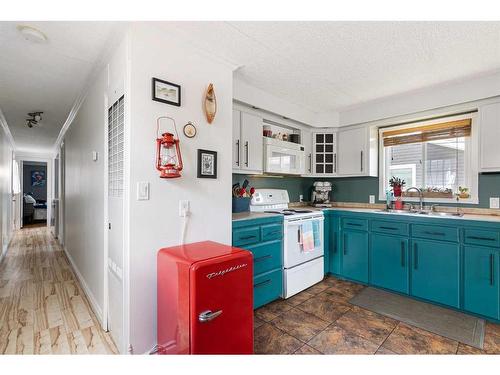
pixel 223 272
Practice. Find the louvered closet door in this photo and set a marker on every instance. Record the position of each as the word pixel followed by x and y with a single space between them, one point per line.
pixel 115 216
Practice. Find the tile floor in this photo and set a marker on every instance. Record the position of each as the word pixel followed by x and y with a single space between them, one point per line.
pixel 320 320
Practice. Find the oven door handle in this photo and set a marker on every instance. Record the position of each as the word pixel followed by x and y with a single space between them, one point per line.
pixel 319 218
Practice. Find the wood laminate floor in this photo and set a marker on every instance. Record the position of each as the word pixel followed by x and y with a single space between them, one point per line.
pixel 320 320
pixel 43 309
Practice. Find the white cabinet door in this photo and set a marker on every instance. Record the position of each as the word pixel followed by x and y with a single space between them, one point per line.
pixel 324 154
pixel 251 143
pixel 489 134
pixel 236 139
pixel 306 141
pixel 352 152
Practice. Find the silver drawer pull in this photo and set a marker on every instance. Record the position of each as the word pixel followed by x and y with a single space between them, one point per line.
pixel 208 315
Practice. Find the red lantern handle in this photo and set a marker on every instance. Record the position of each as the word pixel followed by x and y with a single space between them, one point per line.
pixel 158 125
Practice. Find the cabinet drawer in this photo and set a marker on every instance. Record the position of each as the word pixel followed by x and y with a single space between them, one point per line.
pixel 266 257
pixel 267 288
pixel 271 232
pixel 434 232
pixel 246 236
pixel 482 237
pixel 360 224
pixel 389 227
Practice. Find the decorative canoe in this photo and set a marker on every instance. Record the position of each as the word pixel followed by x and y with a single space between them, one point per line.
pixel 210 103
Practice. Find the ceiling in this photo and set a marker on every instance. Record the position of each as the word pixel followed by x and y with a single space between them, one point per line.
pixel 331 66
pixel 47 77
pixel 320 66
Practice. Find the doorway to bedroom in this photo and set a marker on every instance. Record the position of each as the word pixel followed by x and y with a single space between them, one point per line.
pixel 34 191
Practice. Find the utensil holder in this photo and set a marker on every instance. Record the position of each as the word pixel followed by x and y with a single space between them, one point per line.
pixel 241 204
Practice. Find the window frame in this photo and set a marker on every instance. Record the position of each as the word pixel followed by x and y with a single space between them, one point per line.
pixel 471 159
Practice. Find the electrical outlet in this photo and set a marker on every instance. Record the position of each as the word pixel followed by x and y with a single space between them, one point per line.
pixel 494 202
pixel 143 191
pixel 183 208
pixel 372 199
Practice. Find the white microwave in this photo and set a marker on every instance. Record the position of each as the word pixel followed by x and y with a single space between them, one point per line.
pixel 282 157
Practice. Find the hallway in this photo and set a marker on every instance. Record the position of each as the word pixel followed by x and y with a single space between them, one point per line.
pixel 43 309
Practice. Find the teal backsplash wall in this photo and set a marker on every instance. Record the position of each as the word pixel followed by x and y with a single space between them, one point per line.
pixel 355 189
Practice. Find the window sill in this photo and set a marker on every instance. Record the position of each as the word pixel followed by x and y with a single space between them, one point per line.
pixel 451 201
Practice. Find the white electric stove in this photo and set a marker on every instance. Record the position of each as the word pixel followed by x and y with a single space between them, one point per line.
pixel 301 269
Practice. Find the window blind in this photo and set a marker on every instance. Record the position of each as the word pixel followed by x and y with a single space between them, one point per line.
pixel 434 132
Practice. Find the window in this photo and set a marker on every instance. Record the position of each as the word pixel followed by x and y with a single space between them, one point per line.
pixel 435 156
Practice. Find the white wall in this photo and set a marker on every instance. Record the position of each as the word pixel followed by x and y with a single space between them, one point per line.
pixel 422 100
pixel 6 223
pixel 155 223
pixel 84 202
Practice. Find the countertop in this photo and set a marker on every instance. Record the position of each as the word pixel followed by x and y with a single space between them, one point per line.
pixel 466 216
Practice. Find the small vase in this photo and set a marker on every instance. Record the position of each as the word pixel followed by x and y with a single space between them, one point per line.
pixel 398 204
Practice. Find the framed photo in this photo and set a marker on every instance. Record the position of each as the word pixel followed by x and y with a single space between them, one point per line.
pixel 38 178
pixel 207 164
pixel 166 92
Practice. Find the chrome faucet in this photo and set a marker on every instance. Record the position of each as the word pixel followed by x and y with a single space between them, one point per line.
pixel 420 195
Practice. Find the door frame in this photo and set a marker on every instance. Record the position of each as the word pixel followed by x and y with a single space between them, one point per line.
pixel 21 159
pixel 125 347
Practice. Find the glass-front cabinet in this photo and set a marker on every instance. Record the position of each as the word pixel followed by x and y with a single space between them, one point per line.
pixel 325 153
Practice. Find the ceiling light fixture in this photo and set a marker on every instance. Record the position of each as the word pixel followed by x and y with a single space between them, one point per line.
pixel 36 117
pixel 31 34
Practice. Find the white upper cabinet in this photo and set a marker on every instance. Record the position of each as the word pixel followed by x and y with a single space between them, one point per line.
pixel 357 152
pixel 247 143
pixel 489 134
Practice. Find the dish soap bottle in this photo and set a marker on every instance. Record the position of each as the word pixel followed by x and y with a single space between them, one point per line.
pixel 388 198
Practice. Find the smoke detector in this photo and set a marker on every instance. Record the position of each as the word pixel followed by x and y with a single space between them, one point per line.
pixel 31 34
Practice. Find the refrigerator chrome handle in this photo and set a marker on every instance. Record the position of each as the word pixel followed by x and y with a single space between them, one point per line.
pixel 208 315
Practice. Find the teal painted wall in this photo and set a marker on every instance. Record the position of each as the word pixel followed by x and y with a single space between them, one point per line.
pixel 356 189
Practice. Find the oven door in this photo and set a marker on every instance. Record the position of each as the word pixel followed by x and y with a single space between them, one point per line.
pixel 294 253
pixel 283 160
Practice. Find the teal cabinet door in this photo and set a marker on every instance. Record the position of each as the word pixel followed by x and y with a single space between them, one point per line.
pixel 327 242
pixel 389 262
pixel 334 246
pixel 481 286
pixel 355 255
pixel 436 271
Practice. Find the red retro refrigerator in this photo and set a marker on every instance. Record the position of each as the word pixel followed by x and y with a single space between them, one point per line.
pixel 205 299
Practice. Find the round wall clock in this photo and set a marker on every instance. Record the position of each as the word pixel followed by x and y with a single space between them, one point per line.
pixel 189 130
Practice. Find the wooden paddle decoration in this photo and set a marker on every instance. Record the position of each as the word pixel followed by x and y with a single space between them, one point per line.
pixel 210 103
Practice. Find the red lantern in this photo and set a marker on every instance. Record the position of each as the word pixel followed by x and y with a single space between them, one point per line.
pixel 168 152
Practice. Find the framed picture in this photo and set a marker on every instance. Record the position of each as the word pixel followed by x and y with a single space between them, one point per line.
pixel 166 92
pixel 37 178
pixel 207 164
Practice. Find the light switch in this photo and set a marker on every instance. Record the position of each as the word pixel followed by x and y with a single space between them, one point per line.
pixel 95 155
pixel 494 202
pixel 372 199
pixel 183 208
pixel 143 191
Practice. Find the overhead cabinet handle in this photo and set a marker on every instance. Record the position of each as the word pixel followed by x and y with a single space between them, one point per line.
pixel 335 162
pixel 238 152
pixel 310 163
pixel 246 153
pixel 361 160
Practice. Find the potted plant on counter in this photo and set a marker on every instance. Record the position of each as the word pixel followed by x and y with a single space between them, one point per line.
pixel 397 184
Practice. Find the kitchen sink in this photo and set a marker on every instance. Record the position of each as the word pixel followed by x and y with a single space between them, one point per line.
pixel 424 213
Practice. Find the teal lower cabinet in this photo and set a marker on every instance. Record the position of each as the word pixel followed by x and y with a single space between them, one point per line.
pixel 481 284
pixel 267 287
pixel 354 246
pixel 327 233
pixel 333 246
pixel 389 262
pixel 435 274
pixel 264 238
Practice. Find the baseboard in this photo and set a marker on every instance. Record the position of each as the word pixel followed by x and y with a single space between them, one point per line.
pixel 88 293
